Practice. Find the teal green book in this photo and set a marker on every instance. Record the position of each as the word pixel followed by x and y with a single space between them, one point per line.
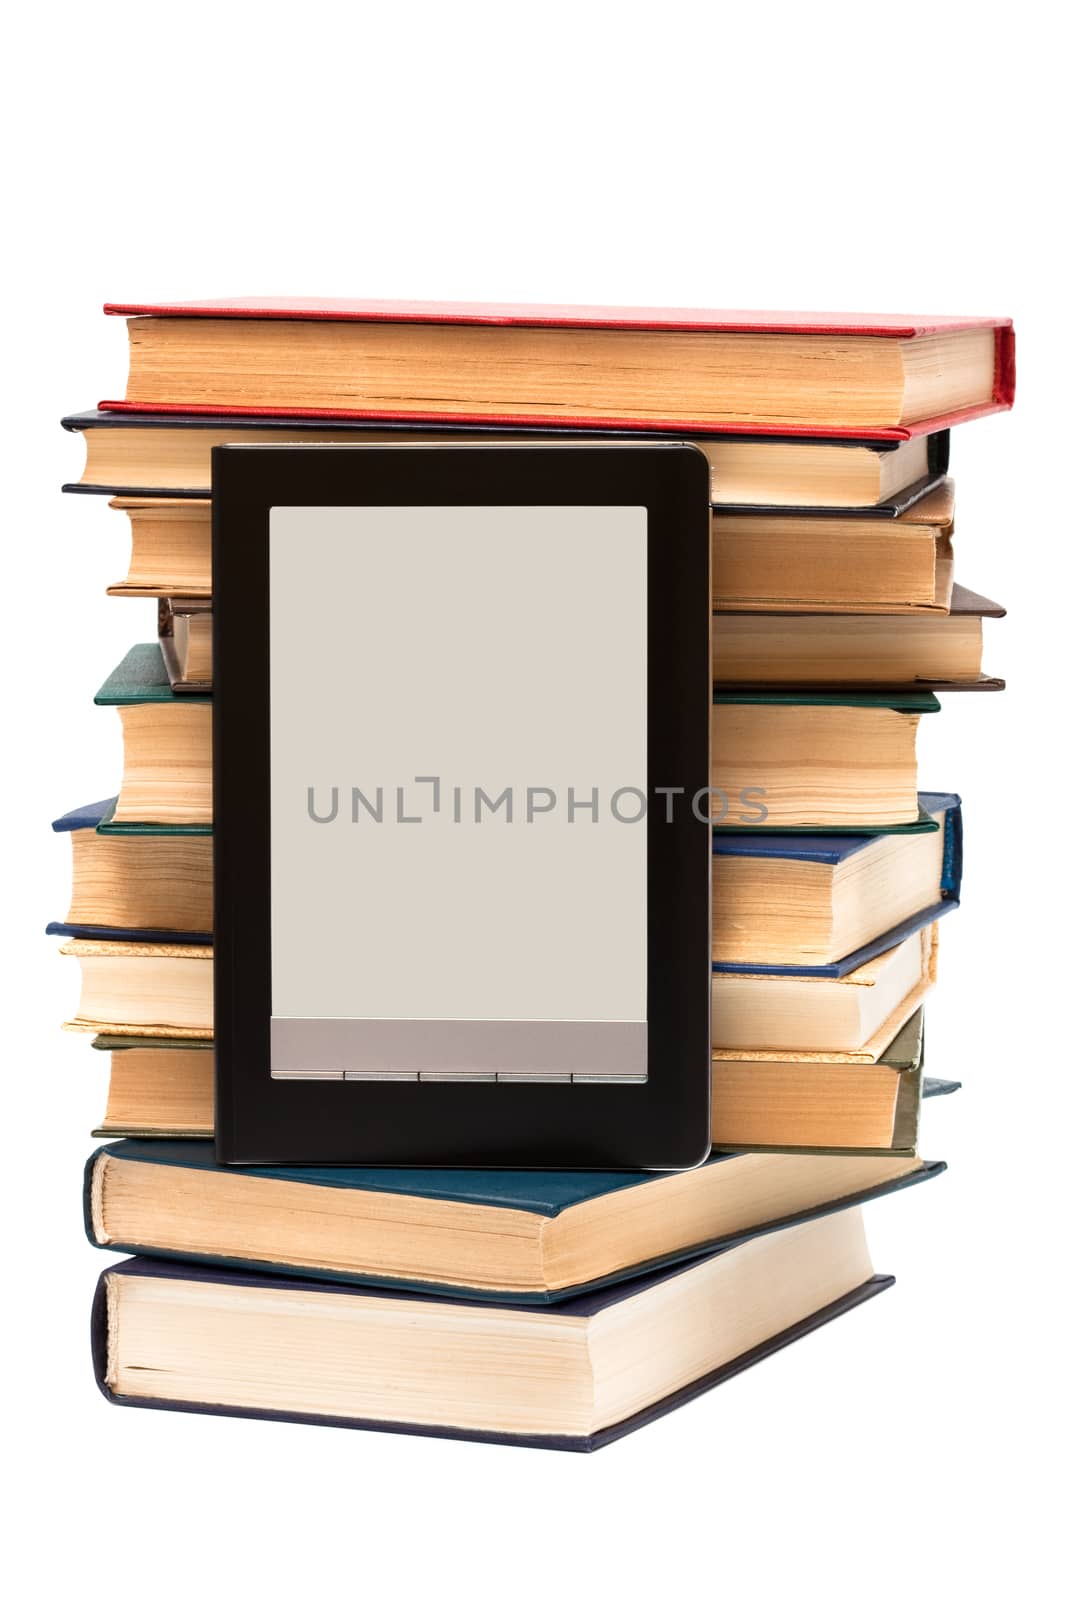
pixel 140 679
pixel 916 704
pixel 784 775
pixel 166 783
pixel 491 1235
pixel 788 784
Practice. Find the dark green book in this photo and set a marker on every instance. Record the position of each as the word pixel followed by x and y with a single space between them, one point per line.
pixel 796 762
pixel 167 766
pixel 140 679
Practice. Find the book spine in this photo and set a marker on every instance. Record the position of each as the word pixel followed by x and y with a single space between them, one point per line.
pixel 938 452
pixel 87 1200
pixel 98 1335
pixel 1004 367
pixel 952 859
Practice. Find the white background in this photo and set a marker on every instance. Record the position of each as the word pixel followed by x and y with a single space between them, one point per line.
pixel 854 157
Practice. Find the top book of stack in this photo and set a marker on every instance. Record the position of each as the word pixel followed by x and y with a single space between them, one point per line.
pixel 836 375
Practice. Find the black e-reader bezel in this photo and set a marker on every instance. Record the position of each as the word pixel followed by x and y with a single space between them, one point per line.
pixel 662 1122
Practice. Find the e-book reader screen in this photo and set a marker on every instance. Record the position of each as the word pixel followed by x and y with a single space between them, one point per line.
pixel 459 793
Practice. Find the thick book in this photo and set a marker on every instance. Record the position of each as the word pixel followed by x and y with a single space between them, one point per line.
pixel 857 1011
pixel 140 987
pixel 638 367
pixel 166 778
pixel 781 761
pixel 158 1088
pixel 838 1096
pixel 821 905
pixel 170 549
pixel 800 760
pixel 885 558
pixel 792 559
pixel 812 905
pixel 139 455
pixel 826 1101
pixel 145 887
pixel 529 1236
pixel 925 650
pixel 573 1376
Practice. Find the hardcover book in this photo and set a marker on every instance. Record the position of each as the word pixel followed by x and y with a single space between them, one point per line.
pixel 158 1088
pixel 853 561
pixel 529 1236
pixel 167 776
pixel 837 761
pixel 155 887
pixel 855 1011
pixel 571 1376
pixel 821 905
pixel 139 987
pixel 821 1100
pixel 922 650
pixel 781 761
pixel 678 370
pixel 896 556
pixel 141 454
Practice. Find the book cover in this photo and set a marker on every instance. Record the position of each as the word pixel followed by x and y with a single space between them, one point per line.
pixel 141 678
pixel 633 319
pixel 937 459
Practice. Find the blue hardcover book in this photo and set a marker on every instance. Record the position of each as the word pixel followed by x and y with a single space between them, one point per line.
pixel 821 905
pixel 498 1236
pixel 566 1377
pixel 147 888
pixel 827 851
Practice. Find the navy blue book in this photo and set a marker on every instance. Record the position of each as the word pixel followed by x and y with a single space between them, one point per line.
pixel 146 887
pixel 171 868
pixel 821 905
pixel 568 1377
pixel 533 1237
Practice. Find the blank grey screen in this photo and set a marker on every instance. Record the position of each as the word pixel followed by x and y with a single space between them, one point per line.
pixel 458 766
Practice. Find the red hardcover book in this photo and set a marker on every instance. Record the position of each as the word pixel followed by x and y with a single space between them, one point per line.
pixel 834 330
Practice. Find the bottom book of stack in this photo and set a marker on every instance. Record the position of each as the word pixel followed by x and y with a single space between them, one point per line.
pixel 543 1308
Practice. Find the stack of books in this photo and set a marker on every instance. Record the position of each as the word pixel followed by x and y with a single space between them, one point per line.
pixel 550 1307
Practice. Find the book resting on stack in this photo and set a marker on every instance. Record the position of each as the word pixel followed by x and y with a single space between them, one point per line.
pixel 552 1307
